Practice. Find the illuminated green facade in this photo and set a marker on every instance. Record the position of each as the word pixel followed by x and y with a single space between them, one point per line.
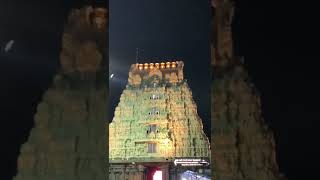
pixel 156 119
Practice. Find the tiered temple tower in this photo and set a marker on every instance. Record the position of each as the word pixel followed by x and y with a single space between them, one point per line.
pixel 243 146
pixel 68 139
pixel 156 120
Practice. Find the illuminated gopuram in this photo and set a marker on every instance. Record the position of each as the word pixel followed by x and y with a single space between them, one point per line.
pixel 156 128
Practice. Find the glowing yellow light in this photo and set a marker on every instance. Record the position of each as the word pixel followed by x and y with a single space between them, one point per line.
pixel 140 66
pixel 157 65
pixel 173 65
pixel 163 65
pixel 151 65
pixel 157 175
pixel 146 65
pixel 168 65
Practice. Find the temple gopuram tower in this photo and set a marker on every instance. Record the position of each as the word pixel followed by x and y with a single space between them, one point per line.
pixel 67 141
pixel 156 125
pixel 243 146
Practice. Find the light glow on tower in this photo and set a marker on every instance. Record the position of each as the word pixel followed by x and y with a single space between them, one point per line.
pixel 157 175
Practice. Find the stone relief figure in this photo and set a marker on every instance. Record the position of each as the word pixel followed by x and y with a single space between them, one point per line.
pixel 155 73
pixel 134 79
pixel 173 78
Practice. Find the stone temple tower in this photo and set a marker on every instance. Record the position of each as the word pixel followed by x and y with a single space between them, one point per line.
pixel 68 139
pixel 156 122
pixel 243 146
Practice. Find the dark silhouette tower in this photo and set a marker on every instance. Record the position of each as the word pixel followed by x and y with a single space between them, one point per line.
pixel 243 146
pixel 69 136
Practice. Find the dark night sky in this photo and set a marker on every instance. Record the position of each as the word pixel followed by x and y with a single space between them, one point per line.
pixel 277 40
pixel 163 30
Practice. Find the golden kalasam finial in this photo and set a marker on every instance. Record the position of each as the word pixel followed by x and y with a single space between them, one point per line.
pixel 173 64
pixel 168 64
pixel 146 65
pixel 151 65
pixel 162 65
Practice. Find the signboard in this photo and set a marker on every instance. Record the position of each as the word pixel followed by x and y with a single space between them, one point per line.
pixel 191 162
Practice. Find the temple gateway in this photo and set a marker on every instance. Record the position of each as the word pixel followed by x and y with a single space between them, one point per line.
pixel 156 133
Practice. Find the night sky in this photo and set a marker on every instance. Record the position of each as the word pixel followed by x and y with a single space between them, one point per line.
pixel 163 31
pixel 278 42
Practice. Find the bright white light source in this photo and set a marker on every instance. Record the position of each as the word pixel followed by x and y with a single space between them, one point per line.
pixel 111 76
pixel 157 175
pixel 9 46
